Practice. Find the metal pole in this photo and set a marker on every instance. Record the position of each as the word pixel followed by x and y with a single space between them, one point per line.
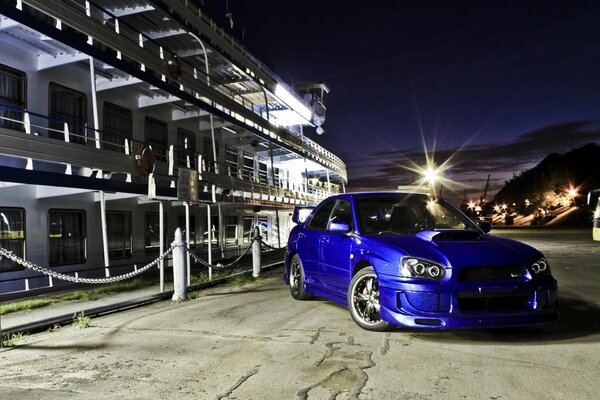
pixel 104 233
pixel 94 102
pixel 209 229
pixel 212 124
pixel 179 267
pixel 220 231
pixel 278 227
pixel 328 182
pixel 162 245
pixel 256 253
pixel 187 239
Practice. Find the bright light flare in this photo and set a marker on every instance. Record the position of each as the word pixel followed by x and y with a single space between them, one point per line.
pixel 431 175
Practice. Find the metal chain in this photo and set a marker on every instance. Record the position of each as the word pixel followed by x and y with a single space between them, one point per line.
pixel 272 247
pixel 219 265
pixel 9 254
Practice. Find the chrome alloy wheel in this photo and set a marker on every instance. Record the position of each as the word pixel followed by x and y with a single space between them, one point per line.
pixel 295 276
pixel 365 299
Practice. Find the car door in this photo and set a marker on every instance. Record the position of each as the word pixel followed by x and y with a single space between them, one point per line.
pixel 308 250
pixel 335 248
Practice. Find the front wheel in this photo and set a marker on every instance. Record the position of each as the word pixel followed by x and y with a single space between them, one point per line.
pixel 296 280
pixel 363 300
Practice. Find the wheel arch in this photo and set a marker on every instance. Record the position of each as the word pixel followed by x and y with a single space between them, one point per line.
pixel 287 263
pixel 361 264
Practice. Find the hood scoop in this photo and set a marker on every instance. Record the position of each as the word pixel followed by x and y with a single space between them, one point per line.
pixel 450 236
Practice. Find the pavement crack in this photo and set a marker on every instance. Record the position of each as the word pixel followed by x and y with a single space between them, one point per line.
pixel 328 353
pixel 303 394
pixel 237 384
pixel 386 345
pixel 315 337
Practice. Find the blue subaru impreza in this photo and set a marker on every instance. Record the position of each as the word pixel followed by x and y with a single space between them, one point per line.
pixel 411 260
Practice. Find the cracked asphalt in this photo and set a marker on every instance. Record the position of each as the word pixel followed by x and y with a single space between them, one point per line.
pixel 255 342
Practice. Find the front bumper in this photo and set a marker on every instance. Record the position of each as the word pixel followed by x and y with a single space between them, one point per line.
pixel 476 305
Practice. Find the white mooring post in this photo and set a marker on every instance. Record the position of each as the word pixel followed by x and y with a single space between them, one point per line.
pixel 179 268
pixel 256 253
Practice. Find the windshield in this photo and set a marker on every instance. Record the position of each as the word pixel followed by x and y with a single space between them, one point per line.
pixel 408 213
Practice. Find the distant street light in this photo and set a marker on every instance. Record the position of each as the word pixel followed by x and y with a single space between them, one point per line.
pixel 431 175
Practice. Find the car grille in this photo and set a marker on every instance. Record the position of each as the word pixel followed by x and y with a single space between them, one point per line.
pixel 497 273
pixel 468 302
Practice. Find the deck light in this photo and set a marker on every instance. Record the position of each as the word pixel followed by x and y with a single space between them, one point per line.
pixel 293 102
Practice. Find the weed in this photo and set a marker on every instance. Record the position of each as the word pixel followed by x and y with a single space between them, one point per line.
pixel 82 321
pixel 81 295
pixel 244 278
pixel 12 339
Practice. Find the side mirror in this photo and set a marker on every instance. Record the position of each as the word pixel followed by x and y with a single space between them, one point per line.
pixel 485 226
pixel 339 227
pixel 300 214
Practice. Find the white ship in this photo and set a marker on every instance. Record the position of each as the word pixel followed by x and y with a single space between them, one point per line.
pixel 121 120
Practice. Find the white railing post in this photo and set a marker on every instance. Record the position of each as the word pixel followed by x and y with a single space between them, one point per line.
pixel 256 253
pixel 179 268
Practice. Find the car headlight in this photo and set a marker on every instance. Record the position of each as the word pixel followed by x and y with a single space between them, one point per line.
pixel 540 267
pixel 412 267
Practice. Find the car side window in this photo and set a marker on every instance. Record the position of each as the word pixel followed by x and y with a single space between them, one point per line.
pixel 342 212
pixel 320 218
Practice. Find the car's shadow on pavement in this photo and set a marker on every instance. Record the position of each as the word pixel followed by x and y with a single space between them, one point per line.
pixel 579 320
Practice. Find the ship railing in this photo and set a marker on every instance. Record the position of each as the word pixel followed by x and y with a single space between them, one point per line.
pixel 185 73
pixel 258 184
pixel 236 183
pixel 81 133
pixel 147 43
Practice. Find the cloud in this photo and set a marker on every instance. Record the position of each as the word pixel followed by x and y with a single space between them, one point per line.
pixel 470 165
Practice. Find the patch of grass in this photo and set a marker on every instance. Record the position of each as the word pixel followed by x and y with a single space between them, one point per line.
pixel 81 295
pixel 82 321
pixel 200 278
pixel 245 278
pixel 12 339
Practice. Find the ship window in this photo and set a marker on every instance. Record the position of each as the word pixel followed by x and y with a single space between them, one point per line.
pixel 181 224
pixel 70 106
pixel 118 126
pixel 152 232
pixel 247 225
pixel 276 179
pixel 13 95
pixel 156 137
pixel 262 171
pixel 231 159
pixel 263 228
pixel 12 236
pixel 248 166
pixel 66 237
pixel 208 154
pixel 186 146
pixel 120 236
pixel 231 229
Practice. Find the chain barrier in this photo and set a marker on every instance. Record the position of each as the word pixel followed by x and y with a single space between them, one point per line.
pixel 96 281
pixel 219 265
pixel 272 247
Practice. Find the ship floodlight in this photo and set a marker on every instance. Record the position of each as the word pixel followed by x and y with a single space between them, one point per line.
pixel 293 102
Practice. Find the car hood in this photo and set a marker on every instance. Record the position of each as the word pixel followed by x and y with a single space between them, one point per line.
pixel 461 248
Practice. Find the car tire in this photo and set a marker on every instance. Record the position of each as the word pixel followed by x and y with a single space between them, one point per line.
pixel 296 279
pixel 363 301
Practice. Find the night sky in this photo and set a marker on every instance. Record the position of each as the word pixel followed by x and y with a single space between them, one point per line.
pixel 495 86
